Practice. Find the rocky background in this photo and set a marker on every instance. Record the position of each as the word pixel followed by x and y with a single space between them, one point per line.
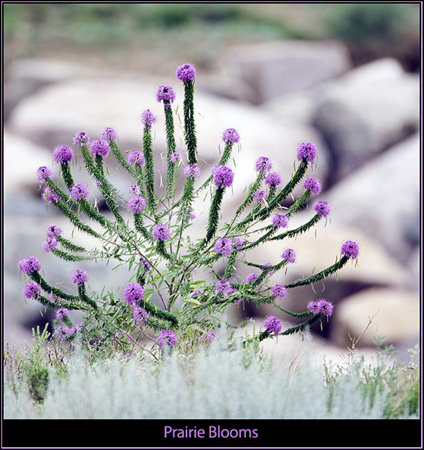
pixel 357 100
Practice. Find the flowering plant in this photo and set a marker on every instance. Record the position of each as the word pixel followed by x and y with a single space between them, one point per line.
pixel 149 232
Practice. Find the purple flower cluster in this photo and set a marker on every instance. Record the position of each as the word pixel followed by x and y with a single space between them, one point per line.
pixel 167 338
pixel 61 313
pixel 43 173
pixel 313 185
pixel 237 242
pixel 273 179
pixel 29 265
pixel 79 277
pixel 223 246
pixel 186 72
pixel 63 331
pixel 148 118
pixel 350 249
pixel 136 158
pixel 231 136
pixel 263 164
pixel 63 154
pixel 306 151
pixel 260 196
pixel 280 221
pixel 137 203
pixel 278 291
pixel 79 191
pixel 133 293
pixel 81 138
pixel 273 325
pixel 53 231
pixel 32 290
pixel 49 244
pixel 222 176
pixel 140 315
pixel 322 208
pixel 251 277
pixel 176 156
pixel 224 287
pixel 289 255
pixel 192 171
pixel 321 307
pixel 134 189
pixel 109 134
pixel 100 147
pixel 49 196
pixel 165 92
pixel 161 232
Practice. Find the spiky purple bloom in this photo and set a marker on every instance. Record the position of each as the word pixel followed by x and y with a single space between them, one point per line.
pixel 313 185
pixel 222 176
pixel 263 164
pixel 81 138
pixel 79 277
pixel 140 315
pixel 222 286
pixel 279 291
pixel 133 293
pixel 136 158
pixel 161 232
pixel 314 307
pixel 273 325
pixel 326 307
pixel 147 266
pixel 134 189
pixel 176 156
pixel 43 173
pixel 63 154
pixel 192 171
pixel 61 313
pixel 49 196
pixel 289 255
pixel 165 92
pixel 29 265
pixel 79 191
pixel 322 208
pixel 186 72
pixel 100 147
pixel 49 244
pixel 237 242
pixel 280 221
pixel 252 277
pixel 223 246
pixel 32 290
pixel 260 196
pixel 148 118
pixel 137 203
pixel 167 338
pixel 109 134
pixel 350 249
pixel 53 231
pixel 230 136
pixel 306 151
pixel 273 179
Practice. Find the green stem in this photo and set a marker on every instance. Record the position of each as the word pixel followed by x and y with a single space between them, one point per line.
pixel 149 178
pixel 189 124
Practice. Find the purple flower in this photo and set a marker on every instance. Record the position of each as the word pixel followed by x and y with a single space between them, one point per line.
pixel 49 244
pixel 148 118
pixel 314 307
pixel 289 255
pixel 306 151
pixel 167 337
pixel 32 290
pixel 100 147
pixel 81 138
pixel 109 134
pixel 176 156
pixel 273 179
pixel 63 154
pixel 230 136
pixel 140 315
pixel 165 92
pixel 29 265
pixel 53 231
pixel 280 221
pixel 191 171
pixel 222 286
pixel 260 196
pixel 326 307
pixel 137 204
pixel 313 185
pixel 133 293
pixel 263 164
pixel 350 249
pixel 197 293
pixel 145 264
pixel 49 196
pixel 134 189
pixel 273 325
pixel 268 264
pixel 237 242
pixel 186 72
pixel 223 246
pixel 61 313
pixel 161 232
pixel 252 277
pixel 98 183
pixel 222 176
pixel 322 208
pixel 43 173
pixel 278 291
pixel 79 277
pixel 136 158
pixel 79 191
